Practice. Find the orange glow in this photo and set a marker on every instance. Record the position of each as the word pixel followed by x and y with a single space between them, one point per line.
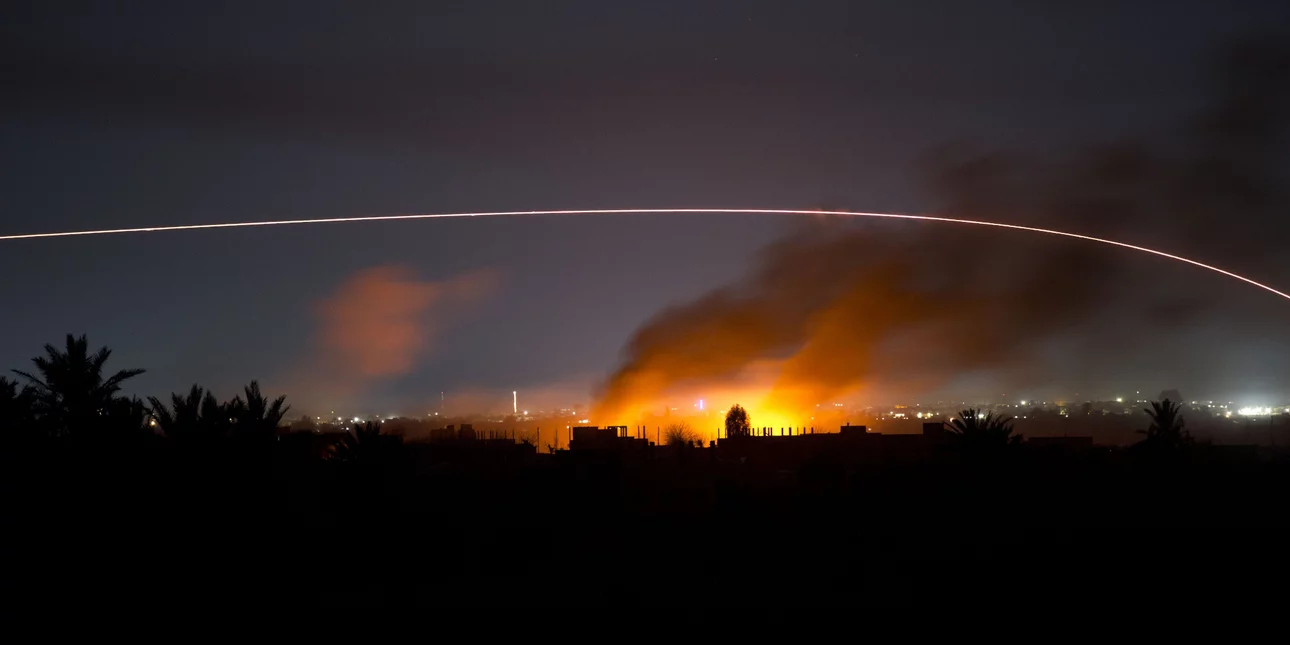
pixel 756 388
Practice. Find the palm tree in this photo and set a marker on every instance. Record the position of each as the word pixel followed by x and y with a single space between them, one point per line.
pixel 125 419
pixel 182 417
pixel 71 392
pixel 363 444
pixel 197 415
pixel 1166 430
pixel 256 414
pixel 15 407
pixel 738 424
pixel 986 431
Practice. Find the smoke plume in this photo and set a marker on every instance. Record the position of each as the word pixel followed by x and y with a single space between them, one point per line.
pixel 836 308
pixel 382 320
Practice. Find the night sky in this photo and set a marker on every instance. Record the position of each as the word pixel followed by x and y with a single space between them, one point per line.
pixel 156 113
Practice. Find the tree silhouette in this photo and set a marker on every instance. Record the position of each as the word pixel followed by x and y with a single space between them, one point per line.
pixel 680 434
pixel 982 431
pixel 738 424
pixel 70 394
pixel 125 419
pixel 256 414
pixel 15 407
pixel 1166 430
pixel 199 415
pixel 363 444
pixel 181 418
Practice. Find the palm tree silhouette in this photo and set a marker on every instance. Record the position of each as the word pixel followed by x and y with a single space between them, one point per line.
pixel 15 407
pixel 199 415
pixel 1166 430
pixel 976 430
pixel 182 417
pixel 256 414
pixel 125 419
pixel 71 393
pixel 363 444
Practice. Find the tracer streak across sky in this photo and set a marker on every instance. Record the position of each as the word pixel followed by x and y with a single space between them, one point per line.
pixel 642 211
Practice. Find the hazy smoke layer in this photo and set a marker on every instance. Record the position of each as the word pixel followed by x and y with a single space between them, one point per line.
pixel 381 320
pixel 838 307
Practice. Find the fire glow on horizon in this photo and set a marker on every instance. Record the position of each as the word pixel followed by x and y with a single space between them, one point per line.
pixel 761 397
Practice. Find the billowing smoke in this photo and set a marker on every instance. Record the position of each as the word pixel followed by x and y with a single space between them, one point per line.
pixel 840 307
pixel 831 306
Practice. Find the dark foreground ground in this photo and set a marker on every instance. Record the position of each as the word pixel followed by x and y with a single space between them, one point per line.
pixel 679 530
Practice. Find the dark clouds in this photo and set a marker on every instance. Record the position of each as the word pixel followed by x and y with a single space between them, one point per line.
pixel 483 75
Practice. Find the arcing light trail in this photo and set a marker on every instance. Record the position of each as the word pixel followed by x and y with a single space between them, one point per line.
pixel 642 211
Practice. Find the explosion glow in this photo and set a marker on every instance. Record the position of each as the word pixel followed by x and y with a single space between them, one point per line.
pixel 626 211
pixel 1256 411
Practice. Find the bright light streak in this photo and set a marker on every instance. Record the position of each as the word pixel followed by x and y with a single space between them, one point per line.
pixel 638 211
